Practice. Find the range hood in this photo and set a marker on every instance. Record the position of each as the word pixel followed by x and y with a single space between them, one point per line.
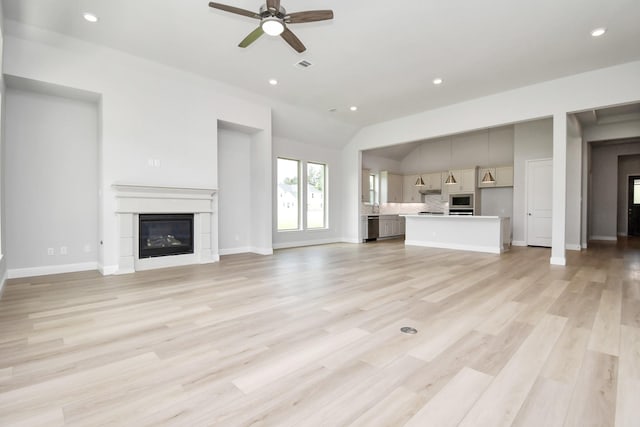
pixel 427 192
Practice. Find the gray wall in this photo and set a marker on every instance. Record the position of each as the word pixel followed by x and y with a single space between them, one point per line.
pixel 51 172
pixel 627 165
pixel 531 140
pixel 606 187
pixel 234 193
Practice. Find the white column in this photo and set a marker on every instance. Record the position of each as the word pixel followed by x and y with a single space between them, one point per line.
pixel 558 218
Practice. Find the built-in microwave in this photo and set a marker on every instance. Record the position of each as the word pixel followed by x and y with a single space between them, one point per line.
pixel 457 201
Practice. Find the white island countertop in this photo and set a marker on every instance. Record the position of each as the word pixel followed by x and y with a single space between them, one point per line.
pixel 463 232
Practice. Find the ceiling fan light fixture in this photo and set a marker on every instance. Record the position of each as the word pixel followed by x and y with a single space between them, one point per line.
pixel 272 26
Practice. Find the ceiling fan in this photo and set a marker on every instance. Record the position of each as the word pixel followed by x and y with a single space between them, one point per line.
pixel 273 21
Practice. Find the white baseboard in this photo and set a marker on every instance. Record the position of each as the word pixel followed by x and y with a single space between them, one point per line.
pixel 233 251
pixel 350 240
pixel 585 246
pixel 261 251
pixel 107 270
pixel 472 248
pixel 572 247
pixel 15 273
pixel 558 261
pixel 607 238
pixel 518 243
pixel 305 243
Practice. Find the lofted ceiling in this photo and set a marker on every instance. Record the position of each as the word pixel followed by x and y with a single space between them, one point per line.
pixel 381 56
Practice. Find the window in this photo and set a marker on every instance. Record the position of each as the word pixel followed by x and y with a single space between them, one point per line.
pixel 636 191
pixel 316 195
pixel 372 189
pixel 306 199
pixel 288 194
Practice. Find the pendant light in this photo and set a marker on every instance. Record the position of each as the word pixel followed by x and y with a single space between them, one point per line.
pixel 451 179
pixel 488 177
pixel 419 182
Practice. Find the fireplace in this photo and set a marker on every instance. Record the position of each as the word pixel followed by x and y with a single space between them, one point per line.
pixel 165 234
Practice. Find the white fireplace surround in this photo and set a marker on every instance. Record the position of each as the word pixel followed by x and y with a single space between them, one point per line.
pixel 133 200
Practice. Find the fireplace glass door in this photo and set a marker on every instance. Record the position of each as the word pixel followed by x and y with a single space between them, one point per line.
pixel 165 234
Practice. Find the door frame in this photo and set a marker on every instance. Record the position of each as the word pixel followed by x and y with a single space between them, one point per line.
pixel 626 205
pixel 527 166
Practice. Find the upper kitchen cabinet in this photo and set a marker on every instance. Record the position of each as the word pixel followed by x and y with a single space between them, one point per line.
pixel 411 193
pixel 503 176
pixel 365 185
pixel 433 181
pixel 391 187
pixel 465 181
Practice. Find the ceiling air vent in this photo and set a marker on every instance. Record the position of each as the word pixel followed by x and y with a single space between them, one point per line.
pixel 303 64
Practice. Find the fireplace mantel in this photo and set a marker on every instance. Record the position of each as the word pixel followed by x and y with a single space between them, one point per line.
pixel 135 199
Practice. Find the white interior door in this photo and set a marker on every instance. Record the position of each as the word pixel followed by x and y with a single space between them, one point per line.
pixel 539 202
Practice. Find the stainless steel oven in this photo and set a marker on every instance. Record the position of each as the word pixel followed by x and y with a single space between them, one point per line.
pixel 460 201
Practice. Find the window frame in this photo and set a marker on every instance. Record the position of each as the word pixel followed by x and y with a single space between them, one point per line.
pixel 303 196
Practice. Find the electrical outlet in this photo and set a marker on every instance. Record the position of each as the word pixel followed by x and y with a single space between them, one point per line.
pixel 63 250
pixel 49 251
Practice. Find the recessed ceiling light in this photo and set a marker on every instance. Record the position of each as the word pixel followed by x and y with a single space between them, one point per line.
pixel 273 82
pixel 437 81
pixel 332 110
pixel 353 108
pixel 598 32
pixel 90 17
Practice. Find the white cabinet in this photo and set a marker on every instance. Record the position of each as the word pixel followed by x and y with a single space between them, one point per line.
pixel 411 193
pixel 365 185
pixel 391 225
pixel 390 188
pixel 503 176
pixel 432 181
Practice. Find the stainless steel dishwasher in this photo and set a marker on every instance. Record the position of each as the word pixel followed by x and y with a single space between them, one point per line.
pixel 373 227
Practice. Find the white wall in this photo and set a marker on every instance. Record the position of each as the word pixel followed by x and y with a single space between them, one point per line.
pixel 487 147
pixel 377 164
pixel 532 140
pixel 234 192
pixel 603 203
pixel 3 263
pixel 52 191
pixel 148 111
pixel 335 185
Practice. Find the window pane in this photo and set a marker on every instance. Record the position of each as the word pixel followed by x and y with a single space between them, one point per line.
pixel 316 195
pixel 288 194
pixel 636 191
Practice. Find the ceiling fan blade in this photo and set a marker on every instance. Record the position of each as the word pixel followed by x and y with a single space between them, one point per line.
pixel 235 10
pixel 309 16
pixel 253 36
pixel 273 5
pixel 293 41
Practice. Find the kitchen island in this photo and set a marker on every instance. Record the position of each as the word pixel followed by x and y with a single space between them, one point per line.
pixel 468 233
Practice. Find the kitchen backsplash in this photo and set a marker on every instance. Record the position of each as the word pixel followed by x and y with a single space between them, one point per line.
pixel 432 203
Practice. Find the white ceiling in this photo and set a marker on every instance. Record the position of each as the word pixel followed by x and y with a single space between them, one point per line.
pixel 378 55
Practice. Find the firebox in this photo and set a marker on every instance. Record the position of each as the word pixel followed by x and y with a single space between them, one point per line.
pixel 165 234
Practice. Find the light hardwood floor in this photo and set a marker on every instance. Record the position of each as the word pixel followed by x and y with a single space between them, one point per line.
pixel 311 337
